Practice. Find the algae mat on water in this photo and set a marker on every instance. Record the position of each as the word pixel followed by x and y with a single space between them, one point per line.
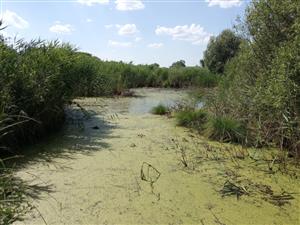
pixel 125 166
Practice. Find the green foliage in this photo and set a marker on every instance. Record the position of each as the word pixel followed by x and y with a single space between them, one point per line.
pixel 220 50
pixel 261 86
pixel 180 63
pixel 38 78
pixel 225 129
pixel 118 76
pixel 192 118
pixel 191 76
pixel 33 84
pixel 160 110
pixel 93 80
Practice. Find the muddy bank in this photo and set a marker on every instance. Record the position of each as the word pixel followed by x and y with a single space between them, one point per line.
pixel 92 172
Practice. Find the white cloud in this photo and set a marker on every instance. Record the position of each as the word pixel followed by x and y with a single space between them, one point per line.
pixel 124 30
pixel 155 45
pixel 88 20
pixel 13 19
pixel 127 29
pixel 137 39
pixel 92 2
pixel 60 28
pixel 193 33
pixel 125 5
pixel 119 44
pixel 224 3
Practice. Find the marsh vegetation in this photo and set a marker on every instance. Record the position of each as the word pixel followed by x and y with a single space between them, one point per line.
pixel 225 149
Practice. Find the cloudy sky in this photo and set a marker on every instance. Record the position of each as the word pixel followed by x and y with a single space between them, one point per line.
pixel 148 31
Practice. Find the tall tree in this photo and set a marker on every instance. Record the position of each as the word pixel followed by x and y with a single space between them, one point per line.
pixel 180 63
pixel 220 49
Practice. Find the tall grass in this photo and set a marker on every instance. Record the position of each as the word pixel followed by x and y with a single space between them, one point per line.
pixel 12 198
pixel 36 82
pixel 225 129
pixel 160 110
pixel 191 118
pixel 218 128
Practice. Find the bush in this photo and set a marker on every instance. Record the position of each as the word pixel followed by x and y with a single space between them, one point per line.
pixel 207 79
pixel 225 129
pixel 160 110
pixel 190 118
pixel 261 83
pixel 36 83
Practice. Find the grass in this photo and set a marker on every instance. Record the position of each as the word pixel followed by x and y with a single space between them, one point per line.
pixel 191 118
pixel 225 129
pixel 12 197
pixel 160 110
pixel 13 202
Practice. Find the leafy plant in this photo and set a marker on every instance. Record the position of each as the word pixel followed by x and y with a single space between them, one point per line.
pixel 160 110
pixel 261 85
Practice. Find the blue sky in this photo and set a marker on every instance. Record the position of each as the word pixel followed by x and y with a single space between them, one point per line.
pixel 161 31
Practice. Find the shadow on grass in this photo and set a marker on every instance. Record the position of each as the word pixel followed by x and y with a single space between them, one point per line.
pixel 14 195
pixel 82 134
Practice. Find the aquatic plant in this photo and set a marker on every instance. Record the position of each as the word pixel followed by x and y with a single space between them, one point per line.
pixel 160 110
pixel 191 118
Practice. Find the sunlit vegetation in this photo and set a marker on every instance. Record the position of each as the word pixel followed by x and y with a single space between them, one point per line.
pixel 160 110
pixel 38 78
pixel 225 129
pixel 254 72
pixel 220 50
pixel 35 85
pixel 261 84
pixel 192 118
pixel 257 100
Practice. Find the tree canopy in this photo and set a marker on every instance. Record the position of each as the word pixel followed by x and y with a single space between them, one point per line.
pixel 220 49
pixel 180 63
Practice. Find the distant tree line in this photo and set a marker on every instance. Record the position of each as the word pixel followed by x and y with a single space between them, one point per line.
pixel 38 78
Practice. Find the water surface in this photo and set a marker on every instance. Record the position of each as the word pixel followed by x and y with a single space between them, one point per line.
pixel 91 171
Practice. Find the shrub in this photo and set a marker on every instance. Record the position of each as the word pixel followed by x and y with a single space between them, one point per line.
pixel 35 83
pixel 261 83
pixel 160 110
pixel 225 129
pixel 207 79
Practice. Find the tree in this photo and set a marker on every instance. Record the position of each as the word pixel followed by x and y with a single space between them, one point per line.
pixel 202 64
pixel 261 86
pixel 220 50
pixel 154 66
pixel 180 63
